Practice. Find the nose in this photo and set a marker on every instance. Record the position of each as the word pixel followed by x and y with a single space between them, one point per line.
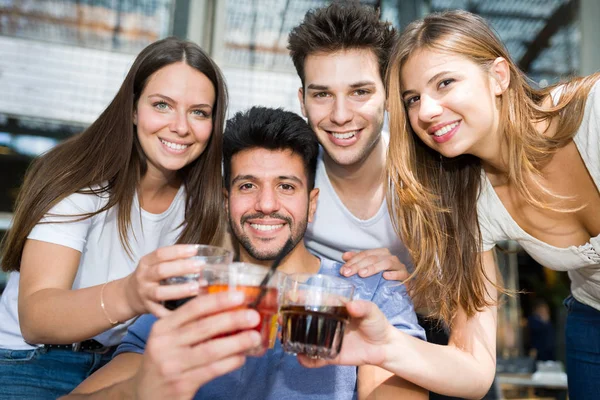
pixel 342 112
pixel 180 124
pixel 267 201
pixel 429 108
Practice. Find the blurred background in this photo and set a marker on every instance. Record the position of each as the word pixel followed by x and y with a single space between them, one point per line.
pixel 61 62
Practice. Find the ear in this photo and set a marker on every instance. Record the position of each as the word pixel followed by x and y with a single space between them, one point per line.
pixel 501 75
pixel 134 118
pixel 312 203
pixel 301 100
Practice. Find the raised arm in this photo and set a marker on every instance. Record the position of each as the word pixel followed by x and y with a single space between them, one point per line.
pixel 464 368
pixel 50 312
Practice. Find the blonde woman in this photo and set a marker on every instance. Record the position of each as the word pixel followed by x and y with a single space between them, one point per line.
pixel 477 155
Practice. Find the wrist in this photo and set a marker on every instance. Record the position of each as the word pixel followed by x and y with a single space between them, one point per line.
pixel 391 348
pixel 124 302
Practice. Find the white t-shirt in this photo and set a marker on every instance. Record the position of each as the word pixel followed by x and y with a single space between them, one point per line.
pixel 581 262
pixel 103 258
pixel 336 230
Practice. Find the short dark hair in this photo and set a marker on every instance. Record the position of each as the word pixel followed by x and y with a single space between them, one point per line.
pixel 271 129
pixel 341 27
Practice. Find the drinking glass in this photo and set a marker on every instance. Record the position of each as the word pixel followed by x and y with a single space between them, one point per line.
pixel 209 255
pixel 313 313
pixel 247 278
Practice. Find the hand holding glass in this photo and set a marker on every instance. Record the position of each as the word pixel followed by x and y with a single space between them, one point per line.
pixel 314 315
pixel 209 255
pixel 246 277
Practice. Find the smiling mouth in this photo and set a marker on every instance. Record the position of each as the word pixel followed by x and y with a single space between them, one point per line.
pixel 266 228
pixel 444 130
pixel 174 146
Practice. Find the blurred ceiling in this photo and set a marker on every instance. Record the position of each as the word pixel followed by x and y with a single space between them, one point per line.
pixel 542 36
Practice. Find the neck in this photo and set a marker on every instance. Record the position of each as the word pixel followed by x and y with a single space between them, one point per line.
pixel 364 176
pixel 153 184
pixel 299 260
pixel 493 153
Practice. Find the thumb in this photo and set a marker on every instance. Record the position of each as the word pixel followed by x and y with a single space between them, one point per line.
pixel 363 309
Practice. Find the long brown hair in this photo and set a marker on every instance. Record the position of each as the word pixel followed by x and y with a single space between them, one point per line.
pixel 434 199
pixel 108 156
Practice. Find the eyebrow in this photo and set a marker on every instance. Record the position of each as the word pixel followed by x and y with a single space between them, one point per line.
pixel 355 85
pixel 280 177
pixel 433 78
pixel 173 101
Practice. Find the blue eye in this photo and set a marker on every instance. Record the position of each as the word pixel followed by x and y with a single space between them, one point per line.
pixel 160 105
pixel 201 113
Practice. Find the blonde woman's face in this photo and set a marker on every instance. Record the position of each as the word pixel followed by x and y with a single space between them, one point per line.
pixel 451 103
pixel 173 117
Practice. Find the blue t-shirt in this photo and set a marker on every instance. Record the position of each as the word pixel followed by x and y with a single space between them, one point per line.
pixel 278 375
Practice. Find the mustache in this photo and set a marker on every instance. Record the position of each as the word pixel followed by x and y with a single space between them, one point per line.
pixel 274 215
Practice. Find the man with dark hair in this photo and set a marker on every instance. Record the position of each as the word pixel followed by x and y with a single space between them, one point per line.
pixel 269 165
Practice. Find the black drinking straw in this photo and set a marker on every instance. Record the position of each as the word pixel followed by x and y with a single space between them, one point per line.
pixel 287 247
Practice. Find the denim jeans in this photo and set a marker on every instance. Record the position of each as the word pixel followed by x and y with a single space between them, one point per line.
pixel 583 350
pixel 45 374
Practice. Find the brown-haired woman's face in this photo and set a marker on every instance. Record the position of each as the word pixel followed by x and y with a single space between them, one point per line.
pixel 450 102
pixel 174 117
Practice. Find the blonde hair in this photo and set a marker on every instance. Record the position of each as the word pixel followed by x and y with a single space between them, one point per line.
pixel 433 199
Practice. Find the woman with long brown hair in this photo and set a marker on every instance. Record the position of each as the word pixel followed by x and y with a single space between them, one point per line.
pixel 92 212
pixel 478 155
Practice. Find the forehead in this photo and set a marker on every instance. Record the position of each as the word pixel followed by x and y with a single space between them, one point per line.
pixel 425 63
pixel 179 79
pixel 264 164
pixel 341 68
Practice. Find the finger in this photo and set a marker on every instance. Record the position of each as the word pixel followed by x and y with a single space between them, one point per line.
pixel 177 291
pixel 362 309
pixel 173 252
pixel 396 275
pixel 217 349
pixel 201 306
pixel 157 309
pixel 390 263
pixel 379 252
pixel 359 263
pixel 174 268
pixel 348 255
pixel 206 328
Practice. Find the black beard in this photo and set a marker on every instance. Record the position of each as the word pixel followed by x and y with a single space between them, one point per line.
pixel 296 236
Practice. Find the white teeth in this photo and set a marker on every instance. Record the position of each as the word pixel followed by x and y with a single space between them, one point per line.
pixel 445 129
pixel 265 228
pixel 174 146
pixel 346 135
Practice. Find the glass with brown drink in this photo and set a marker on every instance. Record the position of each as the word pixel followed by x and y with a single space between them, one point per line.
pixel 313 313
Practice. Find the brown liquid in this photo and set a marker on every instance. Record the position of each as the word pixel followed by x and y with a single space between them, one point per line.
pixel 314 331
